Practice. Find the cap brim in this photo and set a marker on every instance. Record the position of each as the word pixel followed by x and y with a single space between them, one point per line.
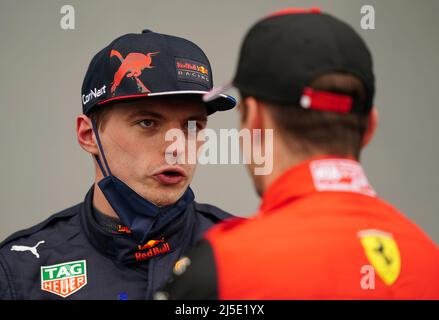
pixel 217 92
pixel 220 102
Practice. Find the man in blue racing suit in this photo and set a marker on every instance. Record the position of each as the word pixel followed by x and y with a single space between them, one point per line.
pixel 139 217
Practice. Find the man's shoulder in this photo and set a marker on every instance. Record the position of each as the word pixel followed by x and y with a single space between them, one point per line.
pixel 55 221
pixel 211 212
pixel 24 252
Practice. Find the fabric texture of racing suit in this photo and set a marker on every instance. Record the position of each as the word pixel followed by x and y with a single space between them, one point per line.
pixel 71 256
pixel 320 233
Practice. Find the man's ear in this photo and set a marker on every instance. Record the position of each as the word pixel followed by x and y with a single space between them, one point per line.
pixel 372 124
pixel 85 135
pixel 254 116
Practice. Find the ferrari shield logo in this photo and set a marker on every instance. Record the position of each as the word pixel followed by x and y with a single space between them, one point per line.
pixel 383 254
pixel 65 278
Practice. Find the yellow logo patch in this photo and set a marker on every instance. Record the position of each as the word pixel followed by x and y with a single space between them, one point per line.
pixel 383 254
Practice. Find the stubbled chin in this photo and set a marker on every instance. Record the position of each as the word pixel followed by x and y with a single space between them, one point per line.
pixel 165 200
pixel 164 195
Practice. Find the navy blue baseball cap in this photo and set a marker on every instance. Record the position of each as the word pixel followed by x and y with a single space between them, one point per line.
pixel 284 52
pixel 138 66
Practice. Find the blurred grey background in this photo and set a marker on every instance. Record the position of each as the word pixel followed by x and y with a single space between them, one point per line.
pixel 43 169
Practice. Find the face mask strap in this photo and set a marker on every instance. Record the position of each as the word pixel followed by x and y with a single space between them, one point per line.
pixel 101 150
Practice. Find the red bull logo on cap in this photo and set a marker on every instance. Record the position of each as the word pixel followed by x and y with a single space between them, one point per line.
pixel 192 71
pixel 131 67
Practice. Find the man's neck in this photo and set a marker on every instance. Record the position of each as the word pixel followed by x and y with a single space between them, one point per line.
pixel 281 164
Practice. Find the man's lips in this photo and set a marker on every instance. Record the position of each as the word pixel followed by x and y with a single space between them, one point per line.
pixel 169 175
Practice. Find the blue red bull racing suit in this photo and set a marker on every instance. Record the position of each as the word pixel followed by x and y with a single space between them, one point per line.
pixel 73 256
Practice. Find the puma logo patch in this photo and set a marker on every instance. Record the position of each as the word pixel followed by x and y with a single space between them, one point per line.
pixel 26 248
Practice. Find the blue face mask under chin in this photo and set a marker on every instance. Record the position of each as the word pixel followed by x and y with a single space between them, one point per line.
pixel 140 215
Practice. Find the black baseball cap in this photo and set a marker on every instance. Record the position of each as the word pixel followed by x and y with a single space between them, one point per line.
pixel 138 66
pixel 285 51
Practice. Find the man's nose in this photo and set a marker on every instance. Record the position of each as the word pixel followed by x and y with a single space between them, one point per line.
pixel 176 149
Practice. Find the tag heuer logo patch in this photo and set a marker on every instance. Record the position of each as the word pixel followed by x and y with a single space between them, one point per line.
pixel 65 278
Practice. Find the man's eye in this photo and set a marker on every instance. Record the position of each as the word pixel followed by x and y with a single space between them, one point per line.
pixel 147 123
